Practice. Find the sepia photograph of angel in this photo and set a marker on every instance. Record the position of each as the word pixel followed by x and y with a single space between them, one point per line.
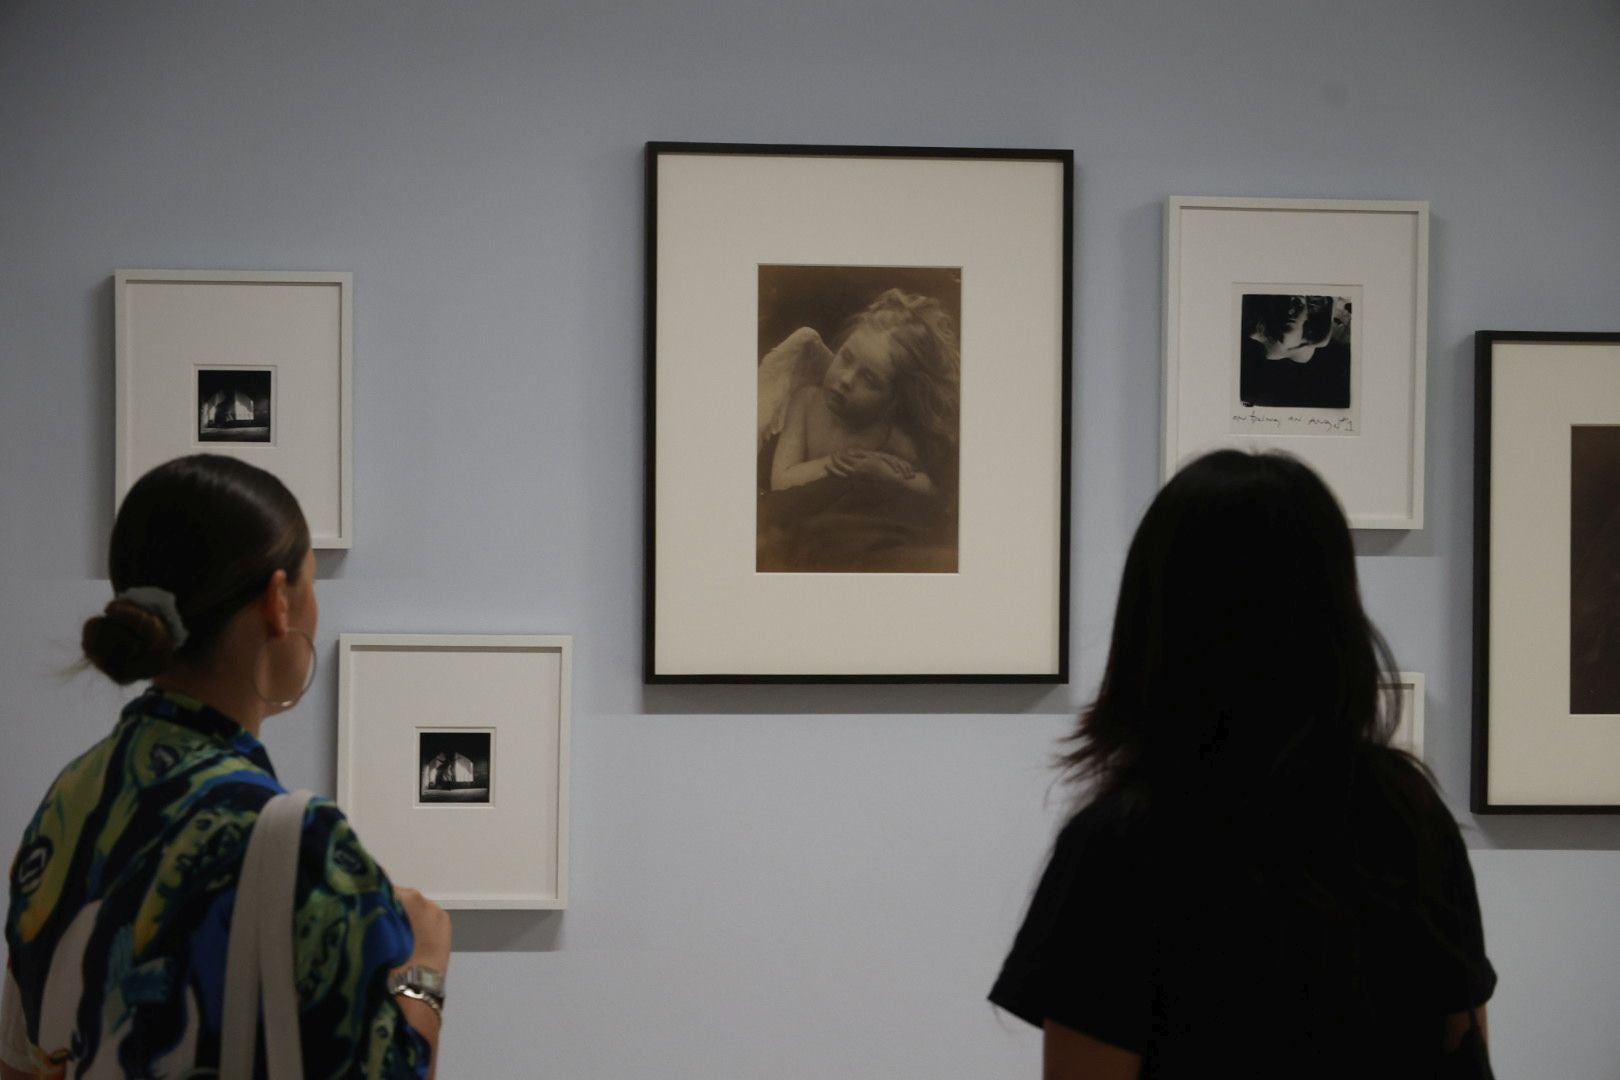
pixel 860 375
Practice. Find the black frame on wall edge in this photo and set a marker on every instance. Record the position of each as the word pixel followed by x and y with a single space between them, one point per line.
pixel 1479 775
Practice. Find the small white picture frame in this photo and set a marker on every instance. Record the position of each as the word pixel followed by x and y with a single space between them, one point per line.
pixel 256 365
pixel 453 763
pixel 1409 694
pixel 1302 325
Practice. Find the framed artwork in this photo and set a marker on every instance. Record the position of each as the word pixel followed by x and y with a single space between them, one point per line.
pixel 1546 573
pixel 893 326
pixel 453 762
pixel 1302 325
pixel 1407 687
pixel 253 365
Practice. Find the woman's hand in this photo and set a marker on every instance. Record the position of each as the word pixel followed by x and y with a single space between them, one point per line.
pixel 430 925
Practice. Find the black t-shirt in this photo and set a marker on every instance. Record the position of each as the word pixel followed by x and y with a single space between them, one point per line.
pixel 1199 945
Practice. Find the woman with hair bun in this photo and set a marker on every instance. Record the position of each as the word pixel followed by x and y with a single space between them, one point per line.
pixel 1256 883
pixel 124 884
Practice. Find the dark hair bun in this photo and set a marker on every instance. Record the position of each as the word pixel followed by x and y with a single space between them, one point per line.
pixel 206 533
pixel 126 642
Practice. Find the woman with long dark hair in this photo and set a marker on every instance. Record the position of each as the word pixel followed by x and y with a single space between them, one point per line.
pixel 125 883
pixel 1256 883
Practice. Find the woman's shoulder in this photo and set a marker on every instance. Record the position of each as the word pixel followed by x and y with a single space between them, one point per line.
pixel 1104 829
pixel 1399 806
pixel 1394 775
pixel 332 852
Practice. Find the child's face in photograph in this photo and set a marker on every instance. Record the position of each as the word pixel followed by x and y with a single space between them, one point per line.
pixel 860 380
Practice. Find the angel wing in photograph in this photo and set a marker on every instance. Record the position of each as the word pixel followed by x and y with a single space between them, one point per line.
pixel 800 360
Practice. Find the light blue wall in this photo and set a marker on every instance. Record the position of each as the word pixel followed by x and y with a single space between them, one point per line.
pixel 796 883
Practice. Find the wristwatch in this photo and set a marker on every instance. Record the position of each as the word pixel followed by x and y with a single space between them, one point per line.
pixel 420 982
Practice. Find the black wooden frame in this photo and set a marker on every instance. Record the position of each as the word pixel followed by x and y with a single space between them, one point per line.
pixel 653 151
pixel 1479 789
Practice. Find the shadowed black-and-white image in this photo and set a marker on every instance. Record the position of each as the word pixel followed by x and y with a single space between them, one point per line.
pixel 455 766
pixel 1594 569
pixel 1295 351
pixel 859 383
pixel 233 404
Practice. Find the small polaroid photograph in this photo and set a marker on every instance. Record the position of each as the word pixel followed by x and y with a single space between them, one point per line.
pixel 1298 360
pixel 454 766
pixel 234 405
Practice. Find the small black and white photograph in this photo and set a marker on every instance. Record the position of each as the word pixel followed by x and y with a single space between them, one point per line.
pixel 1594 569
pixel 1295 351
pixel 455 766
pixel 859 381
pixel 233 405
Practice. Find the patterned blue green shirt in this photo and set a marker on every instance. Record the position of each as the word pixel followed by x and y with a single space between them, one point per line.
pixel 121 899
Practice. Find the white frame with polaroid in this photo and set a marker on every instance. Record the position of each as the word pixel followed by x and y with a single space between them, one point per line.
pixel 502 847
pixel 174 328
pixel 1002 221
pixel 1409 695
pixel 1546 732
pixel 1367 261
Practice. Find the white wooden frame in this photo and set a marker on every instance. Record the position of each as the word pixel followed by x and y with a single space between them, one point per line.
pixel 1409 686
pixel 1216 248
pixel 509 853
pixel 173 323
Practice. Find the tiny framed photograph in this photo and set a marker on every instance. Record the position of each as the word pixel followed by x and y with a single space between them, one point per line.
pixel 255 365
pixel 1404 693
pixel 1302 325
pixel 455 766
pixel 885 321
pixel 453 762
pixel 234 405
pixel 1546 573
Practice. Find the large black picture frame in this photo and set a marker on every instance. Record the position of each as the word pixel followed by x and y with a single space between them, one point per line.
pixel 1538 492
pixel 743 578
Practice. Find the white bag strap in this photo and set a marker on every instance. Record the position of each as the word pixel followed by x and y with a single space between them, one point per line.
pixel 259 958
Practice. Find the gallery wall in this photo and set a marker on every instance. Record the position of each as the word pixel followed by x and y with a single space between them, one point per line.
pixel 766 881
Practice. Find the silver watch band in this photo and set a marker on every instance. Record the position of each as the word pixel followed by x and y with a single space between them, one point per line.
pixel 415 994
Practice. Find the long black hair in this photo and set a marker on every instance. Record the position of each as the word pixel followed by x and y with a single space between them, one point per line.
pixel 1242 667
pixel 208 529
pixel 1237 750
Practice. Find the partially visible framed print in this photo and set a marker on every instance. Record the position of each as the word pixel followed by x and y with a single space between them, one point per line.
pixel 1546 573
pixel 453 762
pixel 892 326
pixel 1302 325
pixel 253 365
pixel 1404 691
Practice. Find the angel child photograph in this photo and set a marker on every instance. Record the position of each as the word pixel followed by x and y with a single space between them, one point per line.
pixel 860 375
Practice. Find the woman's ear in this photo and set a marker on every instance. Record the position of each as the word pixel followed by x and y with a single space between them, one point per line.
pixel 273 604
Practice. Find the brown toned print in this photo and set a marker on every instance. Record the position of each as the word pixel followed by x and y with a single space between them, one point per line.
pixel 1594 569
pixel 859 419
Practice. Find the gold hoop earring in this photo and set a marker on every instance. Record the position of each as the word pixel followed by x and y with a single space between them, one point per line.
pixel 314 660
